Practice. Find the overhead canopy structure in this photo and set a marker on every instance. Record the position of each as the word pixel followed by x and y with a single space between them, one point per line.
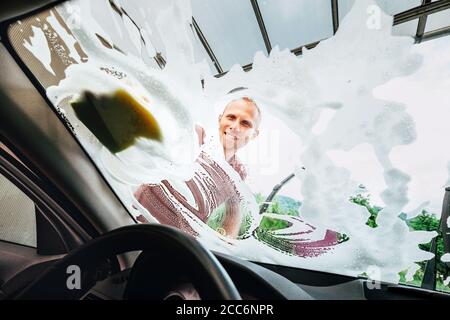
pixel 232 31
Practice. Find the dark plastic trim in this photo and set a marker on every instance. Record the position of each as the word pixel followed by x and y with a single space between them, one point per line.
pixel 69 232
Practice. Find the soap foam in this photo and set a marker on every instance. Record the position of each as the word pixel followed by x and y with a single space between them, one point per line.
pixel 326 96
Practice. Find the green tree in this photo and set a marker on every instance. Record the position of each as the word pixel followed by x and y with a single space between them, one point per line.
pixel 364 200
pixel 425 221
pixel 429 222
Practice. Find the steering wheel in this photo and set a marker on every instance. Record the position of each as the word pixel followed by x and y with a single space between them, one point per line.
pixel 168 256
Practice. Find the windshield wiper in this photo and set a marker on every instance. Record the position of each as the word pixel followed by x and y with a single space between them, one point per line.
pixel 274 192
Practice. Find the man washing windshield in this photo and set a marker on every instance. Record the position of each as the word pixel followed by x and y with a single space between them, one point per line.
pixel 211 187
pixel 238 124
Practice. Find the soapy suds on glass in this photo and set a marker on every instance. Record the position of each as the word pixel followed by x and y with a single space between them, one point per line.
pixel 344 99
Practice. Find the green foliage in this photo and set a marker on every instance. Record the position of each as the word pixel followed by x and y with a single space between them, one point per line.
pixel 245 224
pixel 429 222
pixel 342 237
pixel 417 278
pixel 364 200
pixel 272 224
pixel 259 198
pixel 425 221
pixel 216 218
pixel 279 205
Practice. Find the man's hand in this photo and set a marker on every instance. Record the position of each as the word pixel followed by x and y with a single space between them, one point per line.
pixel 200 134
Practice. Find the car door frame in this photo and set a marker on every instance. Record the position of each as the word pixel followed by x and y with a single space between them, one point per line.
pixel 57 231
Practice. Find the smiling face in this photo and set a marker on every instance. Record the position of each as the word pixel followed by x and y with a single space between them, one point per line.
pixel 238 124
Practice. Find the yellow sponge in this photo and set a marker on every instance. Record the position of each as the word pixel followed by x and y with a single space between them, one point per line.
pixel 116 119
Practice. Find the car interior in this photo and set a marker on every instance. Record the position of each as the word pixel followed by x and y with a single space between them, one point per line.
pixel 58 210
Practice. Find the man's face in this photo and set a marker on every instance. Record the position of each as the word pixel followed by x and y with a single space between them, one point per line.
pixel 238 124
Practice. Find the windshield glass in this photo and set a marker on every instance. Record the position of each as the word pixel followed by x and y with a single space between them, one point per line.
pixel 332 159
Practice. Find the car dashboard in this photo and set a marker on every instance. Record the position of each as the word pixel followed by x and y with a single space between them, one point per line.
pixel 256 281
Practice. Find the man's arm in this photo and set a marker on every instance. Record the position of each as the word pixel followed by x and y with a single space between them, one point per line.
pixel 233 215
pixel 233 219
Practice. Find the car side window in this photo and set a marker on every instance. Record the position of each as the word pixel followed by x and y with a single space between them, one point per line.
pixel 17 215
